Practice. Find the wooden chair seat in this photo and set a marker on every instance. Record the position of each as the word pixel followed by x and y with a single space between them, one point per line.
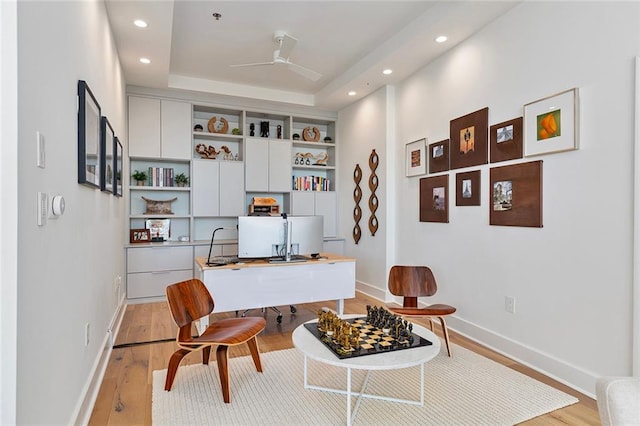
pixel 412 282
pixel 189 301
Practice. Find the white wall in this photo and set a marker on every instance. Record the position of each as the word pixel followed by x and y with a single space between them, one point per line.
pixel 66 269
pixel 8 210
pixel 572 279
pixel 362 128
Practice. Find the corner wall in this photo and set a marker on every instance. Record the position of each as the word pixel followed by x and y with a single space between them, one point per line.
pixel 66 269
pixel 572 279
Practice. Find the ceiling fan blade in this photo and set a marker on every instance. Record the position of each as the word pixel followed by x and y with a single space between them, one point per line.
pixel 252 65
pixel 286 45
pixel 305 72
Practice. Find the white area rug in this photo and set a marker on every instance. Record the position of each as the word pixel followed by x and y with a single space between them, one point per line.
pixel 467 389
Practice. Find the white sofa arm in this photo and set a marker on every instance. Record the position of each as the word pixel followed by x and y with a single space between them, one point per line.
pixel 618 400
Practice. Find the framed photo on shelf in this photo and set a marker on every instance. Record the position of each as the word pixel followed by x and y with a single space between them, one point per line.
pixel 468 139
pixel 505 140
pixel 468 188
pixel 160 229
pixel 515 195
pixel 139 236
pixel 551 124
pixel 439 156
pixel 89 137
pixel 117 167
pixel 434 199
pixel 416 158
pixel 107 140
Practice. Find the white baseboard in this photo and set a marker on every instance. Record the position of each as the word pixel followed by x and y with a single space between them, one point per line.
pixel 84 407
pixel 576 378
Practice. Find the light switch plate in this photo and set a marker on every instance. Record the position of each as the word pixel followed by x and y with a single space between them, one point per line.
pixel 41 159
pixel 43 208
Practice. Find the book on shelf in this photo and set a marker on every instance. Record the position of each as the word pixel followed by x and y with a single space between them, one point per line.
pixel 161 176
pixel 310 183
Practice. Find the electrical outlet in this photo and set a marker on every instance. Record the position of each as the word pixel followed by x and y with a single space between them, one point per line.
pixel 510 304
pixel 87 329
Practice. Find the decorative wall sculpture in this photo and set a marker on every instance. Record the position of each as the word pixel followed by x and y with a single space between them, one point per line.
pixel 357 196
pixel 373 199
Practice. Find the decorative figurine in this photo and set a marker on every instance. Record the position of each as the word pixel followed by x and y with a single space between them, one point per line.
pixel 264 129
pixel 279 130
pixel 252 129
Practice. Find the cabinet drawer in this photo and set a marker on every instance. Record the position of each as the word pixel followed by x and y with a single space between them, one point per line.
pixel 153 284
pixel 153 259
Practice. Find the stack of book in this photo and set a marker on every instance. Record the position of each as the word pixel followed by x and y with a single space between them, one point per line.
pixel 310 183
pixel 161 176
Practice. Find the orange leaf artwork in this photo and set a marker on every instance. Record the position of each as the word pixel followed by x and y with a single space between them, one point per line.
pixel 548 125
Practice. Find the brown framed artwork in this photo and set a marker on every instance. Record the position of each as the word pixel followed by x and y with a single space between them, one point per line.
pixel 438 156
pixel 434 199
pixel 515 195
pixel 468 188
pixel 505 140
pixel 139 236
pixel 468 139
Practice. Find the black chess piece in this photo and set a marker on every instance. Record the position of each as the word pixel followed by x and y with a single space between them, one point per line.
pixel 252 129
pixel 279 129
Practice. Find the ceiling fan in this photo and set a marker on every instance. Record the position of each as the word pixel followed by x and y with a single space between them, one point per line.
pixel 286 43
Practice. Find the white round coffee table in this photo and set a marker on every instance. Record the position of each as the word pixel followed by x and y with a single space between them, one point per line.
pixel 313 348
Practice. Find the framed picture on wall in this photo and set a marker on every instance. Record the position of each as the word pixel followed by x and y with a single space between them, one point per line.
pixel 434 199
pixel 468 188
pixel 107 144
pixel 89 148
pixel 515 195
pixel 468 139
pixel 505 141
pixel 439 156
pixel 416 158
pixel 551 124
pixel 117 167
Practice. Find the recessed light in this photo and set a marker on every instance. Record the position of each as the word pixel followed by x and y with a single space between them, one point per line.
pixel 140 23
pixel 387 71
pixel 351 93
pixel 145 60
pixel 441 39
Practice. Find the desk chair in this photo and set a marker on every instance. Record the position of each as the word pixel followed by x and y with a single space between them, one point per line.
pixel 189 301
pixel 412 282
pixel 274 309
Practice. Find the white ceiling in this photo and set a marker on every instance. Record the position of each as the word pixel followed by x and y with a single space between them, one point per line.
pixel 348 42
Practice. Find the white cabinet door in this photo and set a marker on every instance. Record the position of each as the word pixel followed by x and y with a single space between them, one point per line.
pixel 144 127
pixel 205 184
pixel 256 159
pixel 175 120
pixel 279 165
pixel 232 188
pixel 303 203
pixel 326 206
pixel 322 203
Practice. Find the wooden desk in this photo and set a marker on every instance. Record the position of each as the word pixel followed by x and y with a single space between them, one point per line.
pixel 259 284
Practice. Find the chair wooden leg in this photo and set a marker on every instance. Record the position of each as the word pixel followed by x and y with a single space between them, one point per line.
pixel 255 353
pixel 206 351
pixel 445 332
pixel 223 370
pixel 172 369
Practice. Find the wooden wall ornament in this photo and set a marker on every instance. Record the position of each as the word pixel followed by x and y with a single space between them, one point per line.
pixel 357 196
pixel 373 199
pixel 218 125
pixel 468 139
pixel 515 195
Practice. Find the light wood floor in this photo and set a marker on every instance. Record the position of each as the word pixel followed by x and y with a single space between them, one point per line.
pixel 125 394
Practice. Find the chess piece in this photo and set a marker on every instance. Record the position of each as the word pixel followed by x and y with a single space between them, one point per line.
pixel 279 130
pixel 252 129
pixel 264 129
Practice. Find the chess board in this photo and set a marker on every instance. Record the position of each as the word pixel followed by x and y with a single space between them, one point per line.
pixel 372 340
